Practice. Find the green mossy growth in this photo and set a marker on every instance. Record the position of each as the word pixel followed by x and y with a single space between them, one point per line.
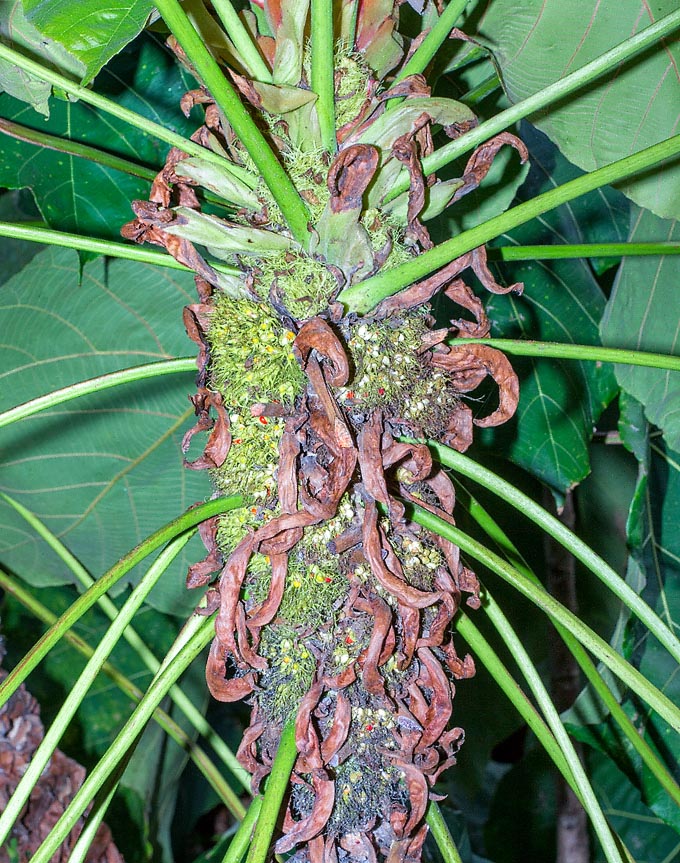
pixel 251 356
pixel 250 468
pixel 290 673
pixel 303 284
pixel 352 77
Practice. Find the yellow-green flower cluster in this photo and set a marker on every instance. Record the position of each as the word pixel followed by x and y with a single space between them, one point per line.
pixel 251 354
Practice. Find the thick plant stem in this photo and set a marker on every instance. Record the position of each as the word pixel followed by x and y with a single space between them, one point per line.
pixel 154 130
pixel 199 756
pixel 42 647
pixel 95 385
pixel 549 95
pixel 434 40
pixel 110 248
pixel 522 502
pixel 581 250
pixel 292 207
pixel 594 353
pixel 243 41
pixel 557 613
pixel 323 70
pixel 277 785
pixel 197 633
pixel 364 296
pixel 75 148
pixel 644 750
pixel 442 834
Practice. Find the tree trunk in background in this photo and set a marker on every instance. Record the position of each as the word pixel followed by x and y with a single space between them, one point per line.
pixel 573 844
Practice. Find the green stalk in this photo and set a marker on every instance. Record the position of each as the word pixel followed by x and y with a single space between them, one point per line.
pixel 323 70
pixel 441 833
pixel 110 248
pixel 75 148
pixel 138 644
pixel 95 385
pixel 365 295
pixel 72 614
pixel 155 130
pixel 581 250
pixel 293 208
pixel 542 696
pixel 596 353
pixel 200 758
pixel 433 41
pixel 552 526
pixel 553 93
pixel 241 841
pixel 644 750
pixel 277 785
pixel 94 820
pixel 481 91
pixel 196 634
pixel 514 693
pixel 557 612
pixel 243 41
pixel 82 685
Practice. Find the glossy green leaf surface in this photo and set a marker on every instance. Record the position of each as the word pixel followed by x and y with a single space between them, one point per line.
pixel 23 36
pixel 81 196
pixel 643 313
pixel 106 470
pixel 540 41
pixel 562 302
pixel 91 31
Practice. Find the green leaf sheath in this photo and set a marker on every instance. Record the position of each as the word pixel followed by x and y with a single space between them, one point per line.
pixel 553 93
pixel 184 522
pixel 365 295
pixel 285 194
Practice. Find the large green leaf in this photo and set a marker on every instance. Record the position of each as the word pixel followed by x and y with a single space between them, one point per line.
pixel 642 314
pixel 23 37
pixel 79 195
pixel 104 471
pixel 539 41
pixel 559 400
pixel 645 835
pixel 93 32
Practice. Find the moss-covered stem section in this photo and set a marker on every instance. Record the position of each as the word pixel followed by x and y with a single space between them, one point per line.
pixel 285 194
pixel 277 785
pixel 365 295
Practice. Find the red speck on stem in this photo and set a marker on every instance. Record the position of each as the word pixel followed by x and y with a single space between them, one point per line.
pixel 381 391
pixel 264 421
